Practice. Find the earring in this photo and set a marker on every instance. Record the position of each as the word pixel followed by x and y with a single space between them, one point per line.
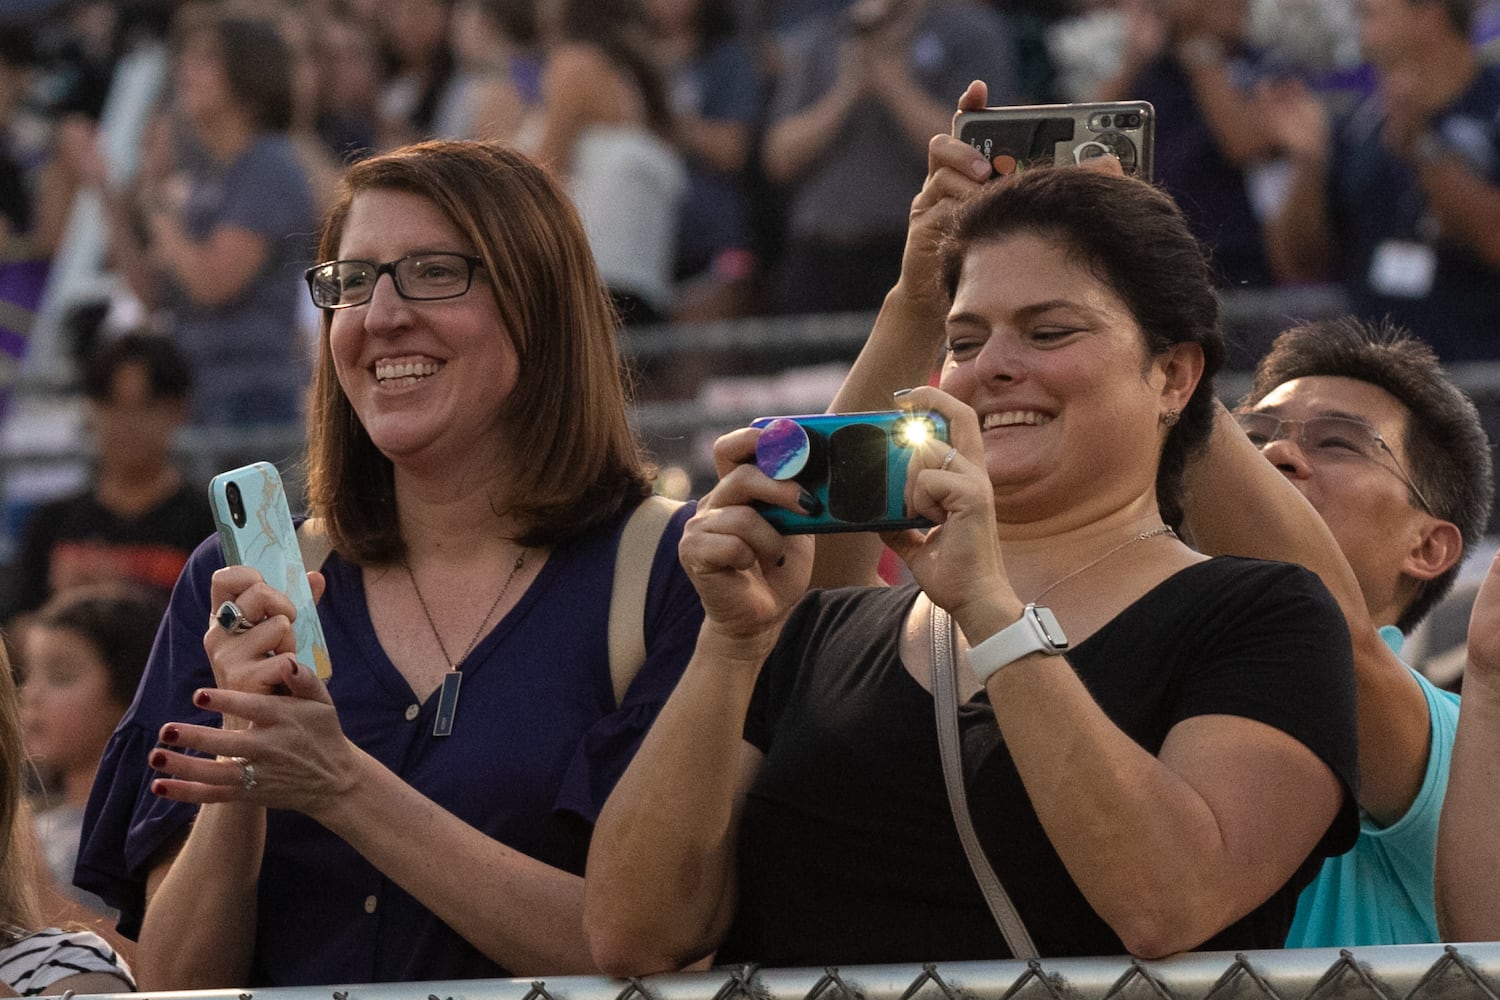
pixel 1169 419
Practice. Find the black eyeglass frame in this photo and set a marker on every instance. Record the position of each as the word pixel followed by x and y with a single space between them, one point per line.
pixel 389 267
pixel 1282 423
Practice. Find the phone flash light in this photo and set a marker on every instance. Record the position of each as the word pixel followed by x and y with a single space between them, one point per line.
pixel 915 431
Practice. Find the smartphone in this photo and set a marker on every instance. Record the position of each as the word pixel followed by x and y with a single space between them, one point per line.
pixel 854 464
pixel 1064 133
pixel 255 529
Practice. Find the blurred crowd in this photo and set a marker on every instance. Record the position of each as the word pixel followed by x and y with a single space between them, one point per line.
pixel 733 157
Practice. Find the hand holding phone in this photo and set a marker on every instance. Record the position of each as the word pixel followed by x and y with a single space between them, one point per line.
pixel 1063 133
pixel 853 464
pixel 255 529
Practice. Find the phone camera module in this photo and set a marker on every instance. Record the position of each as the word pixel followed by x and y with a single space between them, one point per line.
pixel 911 432
pixel 236 505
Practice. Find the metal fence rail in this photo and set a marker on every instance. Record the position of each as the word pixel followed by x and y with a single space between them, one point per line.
pixel 1407 972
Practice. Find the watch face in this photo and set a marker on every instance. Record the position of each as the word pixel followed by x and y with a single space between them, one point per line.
pixel 1051 628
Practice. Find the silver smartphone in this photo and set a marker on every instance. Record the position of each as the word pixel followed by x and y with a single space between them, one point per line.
pixel 1064 133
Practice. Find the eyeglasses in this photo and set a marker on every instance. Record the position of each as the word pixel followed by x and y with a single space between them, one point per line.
pixel 1326 439
pixel 339 284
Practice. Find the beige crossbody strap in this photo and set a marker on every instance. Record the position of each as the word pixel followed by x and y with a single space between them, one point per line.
pixel 945 704
pixel 313 540
pixel 627 603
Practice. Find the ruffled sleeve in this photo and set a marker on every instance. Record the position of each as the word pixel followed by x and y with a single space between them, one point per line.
pixel 124 824
pixel 673 617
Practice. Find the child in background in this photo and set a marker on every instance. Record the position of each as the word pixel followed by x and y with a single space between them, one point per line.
pixel 81 659
pixel 48 960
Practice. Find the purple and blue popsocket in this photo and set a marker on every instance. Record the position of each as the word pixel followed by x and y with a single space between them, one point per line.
pixel 783 449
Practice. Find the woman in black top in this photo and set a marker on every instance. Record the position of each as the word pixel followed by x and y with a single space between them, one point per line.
pixel 1170 782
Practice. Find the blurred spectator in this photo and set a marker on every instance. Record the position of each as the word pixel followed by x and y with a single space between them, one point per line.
pixel 717 101
pixel 1400 201
pixel 858 99
pixel 218 227
pixel 82 656
pixel 137 522
pixel 1189 58
pixel 602 125
pixel 349 77
pixel 482 101
pixel 414 34
pixel 23 264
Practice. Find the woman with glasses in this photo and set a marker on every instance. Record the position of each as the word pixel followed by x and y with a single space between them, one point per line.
pixel 471 462
pixel 1157 749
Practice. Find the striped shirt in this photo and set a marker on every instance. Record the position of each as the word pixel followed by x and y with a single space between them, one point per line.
pixel 33 962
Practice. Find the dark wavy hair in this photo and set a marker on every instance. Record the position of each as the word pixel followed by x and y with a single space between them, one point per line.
pixel 1445 447
pixel 1133 237
pixel 119 622
pixel 257 64
pixel 571 397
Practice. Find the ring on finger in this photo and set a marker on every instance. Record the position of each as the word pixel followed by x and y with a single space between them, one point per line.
pixel 948 459
pixel 231 619
pixel 247 772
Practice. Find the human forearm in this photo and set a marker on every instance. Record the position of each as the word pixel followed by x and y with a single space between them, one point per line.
pixel 523 914
pixel 1237 503
pixel 199 927
pixel 660 880
pixel 1466 206
pixel 794 143
pixel 1468 896
pixel 1299 236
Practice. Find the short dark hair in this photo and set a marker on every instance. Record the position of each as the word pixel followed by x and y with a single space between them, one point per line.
pixel 1447 452
pixel 571 396
pixel 257 64
pixel 1133 237
pixel 119 623
pixel 168 372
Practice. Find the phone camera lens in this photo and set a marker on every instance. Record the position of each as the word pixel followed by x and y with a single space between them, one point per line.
pixel 1130 121
pixel 236 505
pixel 1105 121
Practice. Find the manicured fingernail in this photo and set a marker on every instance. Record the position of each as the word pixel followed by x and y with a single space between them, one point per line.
pixel 158 760
pixel 809 503
pixel 901 393
pixel 980 169
pixel 201 699
pixel 169 734
pixel 156 787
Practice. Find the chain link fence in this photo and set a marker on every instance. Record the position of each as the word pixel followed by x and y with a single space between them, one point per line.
pixel 1406 972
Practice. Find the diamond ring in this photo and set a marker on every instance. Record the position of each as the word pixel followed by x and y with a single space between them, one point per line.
pixel 247 772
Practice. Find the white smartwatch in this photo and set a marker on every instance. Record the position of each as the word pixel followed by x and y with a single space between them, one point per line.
pixel 1036 631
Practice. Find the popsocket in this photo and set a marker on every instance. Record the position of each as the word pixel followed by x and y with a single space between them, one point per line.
pixel 783 449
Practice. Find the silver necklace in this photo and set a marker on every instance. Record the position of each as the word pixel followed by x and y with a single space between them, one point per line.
pixel 1148 533
pixel 448 698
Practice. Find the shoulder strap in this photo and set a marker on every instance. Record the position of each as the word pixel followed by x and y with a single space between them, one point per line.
pixel 627 603
pixel 945 703
pixel 313 540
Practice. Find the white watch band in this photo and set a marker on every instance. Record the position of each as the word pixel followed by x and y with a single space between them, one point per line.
pixel 1036 631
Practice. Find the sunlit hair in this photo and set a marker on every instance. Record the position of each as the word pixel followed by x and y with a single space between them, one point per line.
pixel 568 408
pixel 1131 236
pixel 18 861
pixel 1444 446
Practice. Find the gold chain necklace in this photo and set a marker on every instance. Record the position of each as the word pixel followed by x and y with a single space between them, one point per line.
pixel 448 699
pixel 1148 533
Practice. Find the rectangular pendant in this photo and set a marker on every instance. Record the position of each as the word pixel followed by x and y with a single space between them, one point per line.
pixel 447 703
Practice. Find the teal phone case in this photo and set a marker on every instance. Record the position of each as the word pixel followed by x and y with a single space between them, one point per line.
pixel 255 529
pixel 853 464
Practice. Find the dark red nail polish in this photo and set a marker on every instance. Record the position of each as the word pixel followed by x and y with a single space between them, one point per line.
pixel 156 788
pixel 158 760
pixel 201 699
pixel 170 734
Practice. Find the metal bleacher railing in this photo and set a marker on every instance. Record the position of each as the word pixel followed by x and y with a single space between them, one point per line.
pixel 1406 972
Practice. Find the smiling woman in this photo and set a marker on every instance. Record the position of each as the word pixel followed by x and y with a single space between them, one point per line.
pixel 470 460
pixel 1156 760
